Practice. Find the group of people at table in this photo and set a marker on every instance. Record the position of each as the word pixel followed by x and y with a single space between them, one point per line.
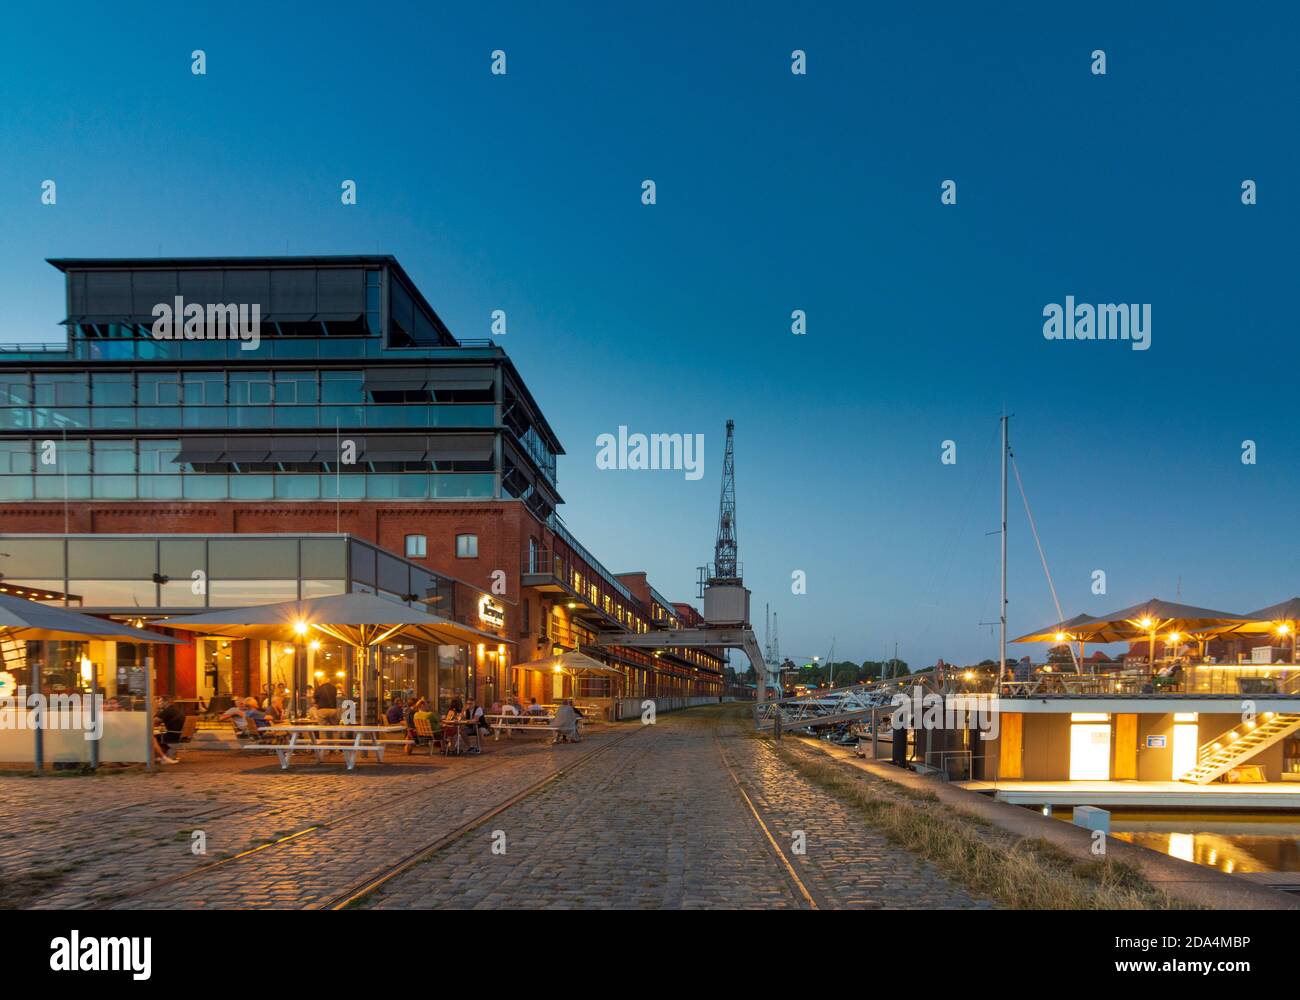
pixel 468 721
pixel 462 724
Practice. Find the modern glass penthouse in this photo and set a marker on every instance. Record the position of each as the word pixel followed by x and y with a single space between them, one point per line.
pixel 353 414
pixel 356 391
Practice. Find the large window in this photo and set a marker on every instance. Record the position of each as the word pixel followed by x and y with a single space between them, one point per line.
pixel 467 546
pixel 417 546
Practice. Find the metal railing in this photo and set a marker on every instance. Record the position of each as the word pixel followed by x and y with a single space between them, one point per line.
pixel 1198 679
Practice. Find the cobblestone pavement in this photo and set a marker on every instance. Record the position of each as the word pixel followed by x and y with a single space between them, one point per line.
pixel 659 822
pixel 89 841
pixel 653 819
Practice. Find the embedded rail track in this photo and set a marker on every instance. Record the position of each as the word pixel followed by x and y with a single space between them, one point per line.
pixel 362 888
pixel 356 890
pixel 803 893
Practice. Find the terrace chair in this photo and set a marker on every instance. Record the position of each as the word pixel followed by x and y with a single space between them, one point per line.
pixel 189 728
pixel 424 731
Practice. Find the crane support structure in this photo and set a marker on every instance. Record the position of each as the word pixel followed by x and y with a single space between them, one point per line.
pixel 723 638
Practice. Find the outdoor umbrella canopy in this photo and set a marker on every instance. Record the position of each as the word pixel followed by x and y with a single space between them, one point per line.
pixel 1071 629
pixel 357 620
pixel 1168 615
pixel 1282 619
pixel 1145 620
pixel 572 663
pixel 24 619
pixel 1267 619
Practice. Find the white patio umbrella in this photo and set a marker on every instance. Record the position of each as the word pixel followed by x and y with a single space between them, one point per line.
pixel 24 619
pixel 361 621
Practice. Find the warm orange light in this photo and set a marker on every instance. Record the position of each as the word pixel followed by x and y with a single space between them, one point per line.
pixel 1145 623
pixel 314 645
pixel 1060 637
pixel 1283 628
pixel 300 627
pixel 1174 637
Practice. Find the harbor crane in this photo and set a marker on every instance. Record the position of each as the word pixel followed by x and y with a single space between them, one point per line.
pixel 722 587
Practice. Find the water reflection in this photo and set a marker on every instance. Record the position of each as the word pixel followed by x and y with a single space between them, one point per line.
pixel 1239 842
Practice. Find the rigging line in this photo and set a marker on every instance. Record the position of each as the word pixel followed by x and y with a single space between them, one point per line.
pixel 1041 555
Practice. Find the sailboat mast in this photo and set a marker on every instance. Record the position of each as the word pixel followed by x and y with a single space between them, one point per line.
pixel 1002 606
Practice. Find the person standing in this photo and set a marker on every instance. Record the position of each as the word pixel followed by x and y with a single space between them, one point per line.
pixel 327 704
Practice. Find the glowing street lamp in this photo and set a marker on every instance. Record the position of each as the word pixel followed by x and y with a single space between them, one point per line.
pixel 1284 629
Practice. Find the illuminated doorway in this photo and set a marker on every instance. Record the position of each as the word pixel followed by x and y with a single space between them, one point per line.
pixel 1186 744
pixel 1089 746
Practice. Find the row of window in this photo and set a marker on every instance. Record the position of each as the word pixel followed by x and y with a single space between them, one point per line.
pixel 241 388
pixel 279 348
pixel 361 326
pixel 250 417
pixel 250 486
pixel 160 456
pixel 417 546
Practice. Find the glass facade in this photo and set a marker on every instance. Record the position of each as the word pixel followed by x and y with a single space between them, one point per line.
pixel 348 348
pixel 187 573
pixel 155 469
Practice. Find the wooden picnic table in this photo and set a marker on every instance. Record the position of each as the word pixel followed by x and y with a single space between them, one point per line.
pixel 508 722
pixel 365 739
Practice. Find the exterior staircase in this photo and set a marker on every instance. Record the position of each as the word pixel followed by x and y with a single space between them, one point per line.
pixel 1240 744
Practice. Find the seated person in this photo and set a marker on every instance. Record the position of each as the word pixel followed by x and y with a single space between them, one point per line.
pixel 566 724
pixel 396 712
pixel 247 716
pixel 275 710
pixel 424 712
pixel 474 713
pixel 534 708
pixel 172 718
pixel 453 715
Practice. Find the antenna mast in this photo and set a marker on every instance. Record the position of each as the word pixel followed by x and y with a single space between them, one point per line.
pixel 1002 604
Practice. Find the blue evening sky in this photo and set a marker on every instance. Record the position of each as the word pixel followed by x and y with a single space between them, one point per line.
pixel 775 192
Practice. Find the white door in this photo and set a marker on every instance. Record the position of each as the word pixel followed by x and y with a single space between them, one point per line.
pixel 1090 751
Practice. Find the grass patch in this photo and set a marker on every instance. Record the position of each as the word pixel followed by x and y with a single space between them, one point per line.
pixel 1018 872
